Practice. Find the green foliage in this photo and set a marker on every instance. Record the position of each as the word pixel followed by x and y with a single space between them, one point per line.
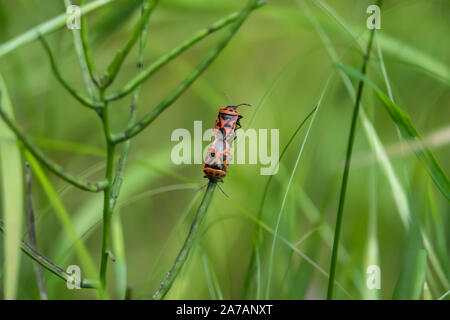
pixel 145 68
pixel 11 184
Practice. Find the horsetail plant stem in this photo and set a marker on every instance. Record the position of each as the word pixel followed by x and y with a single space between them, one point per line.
pixel 49 163
pixel 161 62
pixel 114 181
pixel 86 59
pixel 46 263
pixel 187 82
pixel 116 64
pixel 83 54
pixel 107 212
pixel 348 157
pixel 187 245
pixel 98 101
pixel 118 179
pixel 81 98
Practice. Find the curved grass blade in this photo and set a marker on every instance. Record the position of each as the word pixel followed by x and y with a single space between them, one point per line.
pixel 412 277
pixel 289 184
pixel 12 197
pixel 88 265
pixel 32 233
pixel 120 264
pixel 87 217
pixel 257 236
pixel 401 50
pixel 283 240
pixel 48 264
pixel 65 145
pixel 408 130
pixel 213 282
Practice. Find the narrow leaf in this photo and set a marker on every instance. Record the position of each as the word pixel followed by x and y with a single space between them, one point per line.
pixel 412 277
pixel 11 197
pixel 408 130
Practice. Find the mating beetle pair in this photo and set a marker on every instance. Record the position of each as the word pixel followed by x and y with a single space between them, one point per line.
pixel 218 155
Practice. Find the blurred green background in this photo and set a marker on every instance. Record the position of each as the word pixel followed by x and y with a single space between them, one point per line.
pixel 278 63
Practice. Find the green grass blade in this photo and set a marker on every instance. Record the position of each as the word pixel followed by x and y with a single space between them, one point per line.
pixel 395 47
pixel 120 265
pixel 289 184
pixel 286 242
pixel 11 196
pixel 412 277
pixel 424 62
pixel 257 236
pixel 408 130
pixel 213 283
pixel 398 192
pixel 88 265
pixel 87 218
pixel 438 229
pixel 64 145
pixel 305 272
pixel 372 250
pixel 445 295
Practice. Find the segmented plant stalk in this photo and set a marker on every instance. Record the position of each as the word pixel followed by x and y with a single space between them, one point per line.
pixel 98 101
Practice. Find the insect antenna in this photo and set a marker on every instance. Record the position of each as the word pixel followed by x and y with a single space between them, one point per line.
pixel 244 104
pixel 220 188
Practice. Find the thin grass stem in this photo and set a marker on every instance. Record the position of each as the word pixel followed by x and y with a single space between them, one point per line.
pixel 32 233
pixel 49 163
pixel 297 161
pixel 46 263
pixel 348 157
pixel 118 179
pixel 257 235
pixel 182 256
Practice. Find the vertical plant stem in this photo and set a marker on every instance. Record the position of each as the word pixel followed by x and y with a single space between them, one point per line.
pixel 118 179
pixel 348 157
pixel 87 54
pixel 187 245
pixel 106 196
pixel 32 235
